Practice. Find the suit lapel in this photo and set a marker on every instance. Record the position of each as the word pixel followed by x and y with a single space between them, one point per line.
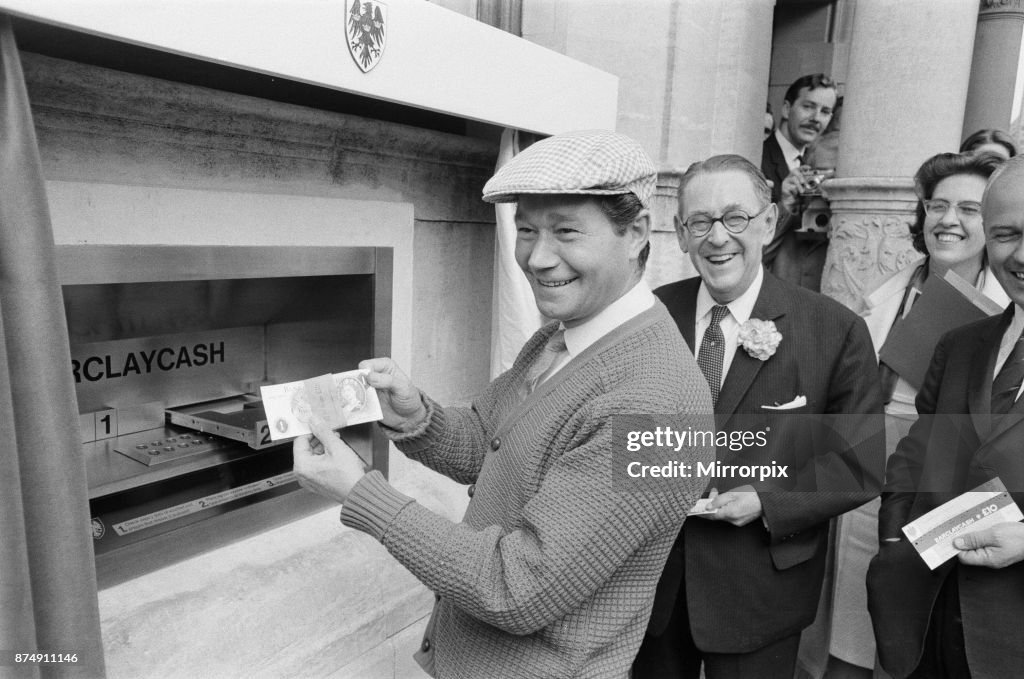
pixel 688 310
pixel 781 167
pixel 681 301
pixel 770 305
pixel 1001 426
pixel 979 381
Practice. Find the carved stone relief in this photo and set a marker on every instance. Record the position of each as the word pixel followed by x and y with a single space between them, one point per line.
pixel 864 250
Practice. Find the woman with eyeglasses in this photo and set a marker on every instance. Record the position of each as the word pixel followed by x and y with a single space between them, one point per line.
pixel 948 231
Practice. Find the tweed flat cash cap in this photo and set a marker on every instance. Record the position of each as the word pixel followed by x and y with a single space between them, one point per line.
pixel 586 162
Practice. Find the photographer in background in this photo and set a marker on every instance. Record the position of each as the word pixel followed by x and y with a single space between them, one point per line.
pixel 823 154
pixel 806 111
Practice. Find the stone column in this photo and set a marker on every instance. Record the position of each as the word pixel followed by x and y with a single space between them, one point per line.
pixel 995 69
pixel 906 86
pixel 693 81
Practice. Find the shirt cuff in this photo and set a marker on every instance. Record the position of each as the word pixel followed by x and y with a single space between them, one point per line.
pixel 373 505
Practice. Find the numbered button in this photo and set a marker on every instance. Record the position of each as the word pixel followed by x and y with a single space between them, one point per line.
pixel 106 424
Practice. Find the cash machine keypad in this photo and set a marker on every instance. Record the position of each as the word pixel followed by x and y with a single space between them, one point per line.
pixel 151 449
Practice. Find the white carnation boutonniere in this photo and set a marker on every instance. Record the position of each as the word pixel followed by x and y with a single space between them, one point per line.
pixel 760 338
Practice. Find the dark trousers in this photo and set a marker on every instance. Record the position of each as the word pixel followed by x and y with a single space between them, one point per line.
pixel 944 655
pixel 674 655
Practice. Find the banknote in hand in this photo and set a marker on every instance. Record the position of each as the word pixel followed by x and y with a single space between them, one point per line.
pixel 340 400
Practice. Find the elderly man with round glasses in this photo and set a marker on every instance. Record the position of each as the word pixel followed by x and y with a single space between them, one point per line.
pixel 743 581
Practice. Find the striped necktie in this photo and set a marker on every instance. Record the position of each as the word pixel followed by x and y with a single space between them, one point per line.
pixel 712 351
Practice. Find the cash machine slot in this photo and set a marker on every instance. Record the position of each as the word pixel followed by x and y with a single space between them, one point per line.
pixel 169 346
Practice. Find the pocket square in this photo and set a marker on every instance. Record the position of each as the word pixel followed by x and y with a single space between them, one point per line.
pixel 798 402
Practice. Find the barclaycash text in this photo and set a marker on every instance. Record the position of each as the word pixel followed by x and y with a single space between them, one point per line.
pixel 95 368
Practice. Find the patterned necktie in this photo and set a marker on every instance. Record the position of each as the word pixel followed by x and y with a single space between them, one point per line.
pixel 712 351
pixel 1007 383
pixel 552 351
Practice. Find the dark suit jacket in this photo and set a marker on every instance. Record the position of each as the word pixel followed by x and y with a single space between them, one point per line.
pixel 774 165
pixel 954 446
pixel 798 261
pixel 747 587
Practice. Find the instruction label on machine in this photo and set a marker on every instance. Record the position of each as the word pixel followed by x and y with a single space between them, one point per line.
pixel 201 504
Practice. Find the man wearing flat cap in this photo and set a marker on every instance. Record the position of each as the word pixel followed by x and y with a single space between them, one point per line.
pixel 552 571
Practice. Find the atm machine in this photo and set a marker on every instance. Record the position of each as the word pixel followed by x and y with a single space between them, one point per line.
pixel 169 346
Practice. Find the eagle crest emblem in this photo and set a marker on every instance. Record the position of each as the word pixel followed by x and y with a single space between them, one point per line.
pixel 367 32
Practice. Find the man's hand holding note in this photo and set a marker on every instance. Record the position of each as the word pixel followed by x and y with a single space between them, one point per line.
pixel 339 400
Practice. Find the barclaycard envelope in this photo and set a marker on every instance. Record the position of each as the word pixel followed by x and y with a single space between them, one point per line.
pixel 932 534
pixel 340 400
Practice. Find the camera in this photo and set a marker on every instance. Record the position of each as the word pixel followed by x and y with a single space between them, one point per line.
pixel 814 184
pixel 815 218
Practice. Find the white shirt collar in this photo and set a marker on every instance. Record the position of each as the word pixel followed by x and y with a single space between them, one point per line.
pixel 789 152
pixel 740 308
pixel 637 300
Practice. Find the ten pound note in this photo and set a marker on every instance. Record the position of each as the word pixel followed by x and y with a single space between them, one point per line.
pixel 340 400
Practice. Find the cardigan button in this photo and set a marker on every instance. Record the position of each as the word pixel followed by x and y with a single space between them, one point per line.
pixel 495 443
pixel 471 490
pixel 426 645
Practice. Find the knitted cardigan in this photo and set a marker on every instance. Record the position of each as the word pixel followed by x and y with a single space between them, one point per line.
pixel 552 571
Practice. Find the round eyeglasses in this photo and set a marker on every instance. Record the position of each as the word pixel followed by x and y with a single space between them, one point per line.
pixel 734 221
pixel 967 209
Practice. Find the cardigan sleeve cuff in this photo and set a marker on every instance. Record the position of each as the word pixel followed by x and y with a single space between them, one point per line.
pixel 424 434
pixel 373 505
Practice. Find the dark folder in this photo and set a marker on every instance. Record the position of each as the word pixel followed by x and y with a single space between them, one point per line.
pixel 944 304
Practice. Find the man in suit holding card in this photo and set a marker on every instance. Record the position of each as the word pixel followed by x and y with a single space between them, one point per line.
pixel 963 618
pixel 742 583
